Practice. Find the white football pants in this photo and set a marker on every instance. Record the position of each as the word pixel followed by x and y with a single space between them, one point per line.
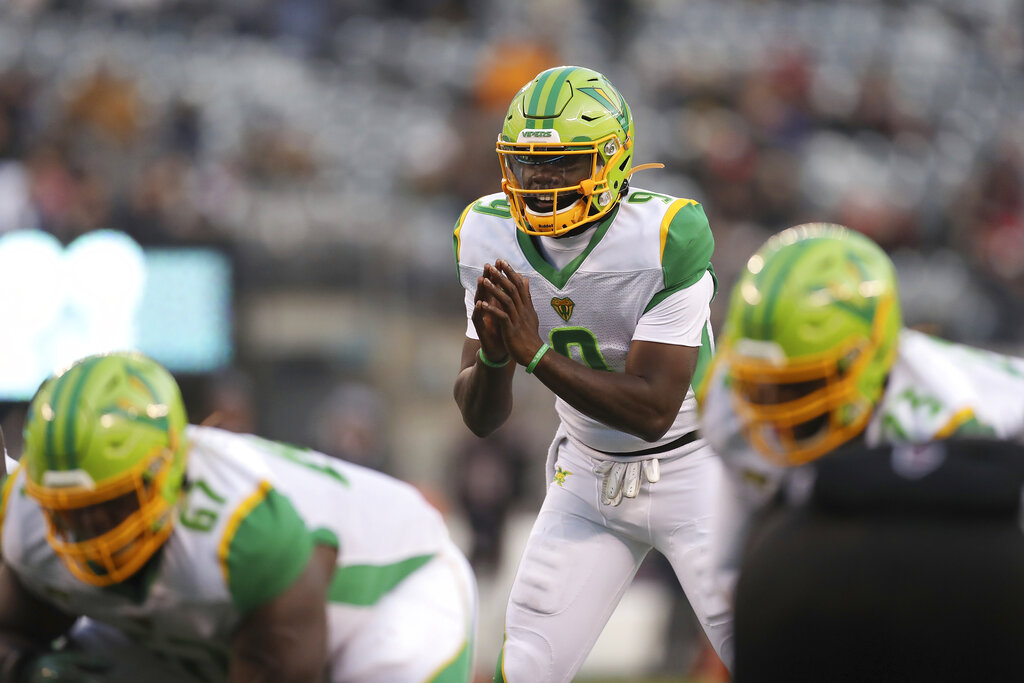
pixel 582 555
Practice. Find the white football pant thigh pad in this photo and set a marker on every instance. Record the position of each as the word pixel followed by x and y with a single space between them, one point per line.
pixel 571 577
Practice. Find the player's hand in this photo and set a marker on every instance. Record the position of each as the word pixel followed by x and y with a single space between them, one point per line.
pixel 66 667
pixel 487 329
pixel 514 310
pixel 624 478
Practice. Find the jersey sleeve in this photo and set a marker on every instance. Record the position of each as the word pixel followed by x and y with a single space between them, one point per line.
pixel 686 248
pixel 265 548
pixel 456 237
pixel 681 317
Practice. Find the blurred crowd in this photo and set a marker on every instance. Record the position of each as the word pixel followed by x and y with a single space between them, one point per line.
pixel 318 135
pixel 332 144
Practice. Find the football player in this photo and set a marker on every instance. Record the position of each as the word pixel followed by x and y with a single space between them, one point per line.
pixel 602 291
pixel 814 357
pixel 203 555
pixel 891 563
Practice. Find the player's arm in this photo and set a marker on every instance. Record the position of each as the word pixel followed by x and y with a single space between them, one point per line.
pixel 643 401
pixel 483 392
pixel 285 640
pixel 278 573
pixel 27 625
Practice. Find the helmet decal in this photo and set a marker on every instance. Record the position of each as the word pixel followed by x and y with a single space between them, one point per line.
pixel 617 110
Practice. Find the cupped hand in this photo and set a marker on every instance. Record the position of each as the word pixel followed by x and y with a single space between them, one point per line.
pixel 512 306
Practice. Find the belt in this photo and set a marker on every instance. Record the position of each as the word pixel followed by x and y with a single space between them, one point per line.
pixel 687 438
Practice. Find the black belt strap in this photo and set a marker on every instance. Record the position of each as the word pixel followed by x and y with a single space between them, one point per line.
pixel 687 438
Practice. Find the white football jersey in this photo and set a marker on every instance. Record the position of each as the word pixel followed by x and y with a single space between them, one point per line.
pixel 935 390
pixel 250 514
pixel 651 246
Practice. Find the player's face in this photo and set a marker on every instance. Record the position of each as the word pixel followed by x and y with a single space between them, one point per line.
pixel 772 394
pixel 83 524
pixel 534 172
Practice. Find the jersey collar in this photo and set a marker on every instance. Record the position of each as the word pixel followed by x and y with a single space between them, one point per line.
pixel 553 275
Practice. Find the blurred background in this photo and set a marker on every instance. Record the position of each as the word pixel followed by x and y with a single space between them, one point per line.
pixel 261 194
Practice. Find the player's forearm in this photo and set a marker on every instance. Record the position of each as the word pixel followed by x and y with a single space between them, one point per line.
pixel 625 402
pixel 484 396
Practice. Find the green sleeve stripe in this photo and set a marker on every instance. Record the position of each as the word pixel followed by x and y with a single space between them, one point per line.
pixel 686 243
pixel 265 548
pixel 365 584
pixel 499 667
pixel 458 228
pixel 703 358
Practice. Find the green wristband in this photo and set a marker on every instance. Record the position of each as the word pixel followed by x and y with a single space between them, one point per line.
pixel 491 363
pixel 536 358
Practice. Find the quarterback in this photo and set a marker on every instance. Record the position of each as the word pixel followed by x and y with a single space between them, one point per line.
pixel 202 555
pixel 602 291
pixel 815 357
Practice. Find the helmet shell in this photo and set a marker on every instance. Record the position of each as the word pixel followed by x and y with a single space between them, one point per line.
pixel 574 106
pixel 816 303
pixel 107 426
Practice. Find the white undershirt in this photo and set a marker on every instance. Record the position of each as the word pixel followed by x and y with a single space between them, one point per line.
pixel 559 251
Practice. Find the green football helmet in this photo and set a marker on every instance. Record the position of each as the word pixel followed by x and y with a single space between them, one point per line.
pixel 566 150
pixel 105 451
pixel 810 336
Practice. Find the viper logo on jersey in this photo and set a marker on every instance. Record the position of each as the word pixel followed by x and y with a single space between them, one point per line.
pixel 563 307
pixel 560 476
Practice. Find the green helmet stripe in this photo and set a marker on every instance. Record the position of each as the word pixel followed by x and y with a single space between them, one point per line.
pixel 550 107
pixel 51 424
pixel 132 372
pixel 773 279
pixel 617 110
pixel 531 108
pixel 160 423
pixel 70 458
pixel 546 88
